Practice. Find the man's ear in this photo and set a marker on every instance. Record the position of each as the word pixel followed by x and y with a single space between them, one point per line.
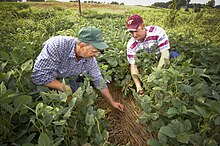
pixel 81 45
pixel 142 26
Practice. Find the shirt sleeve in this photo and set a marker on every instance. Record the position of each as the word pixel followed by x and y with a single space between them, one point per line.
pixel 131 51
pixel 95 72
pixel 46 64
pixel 163 41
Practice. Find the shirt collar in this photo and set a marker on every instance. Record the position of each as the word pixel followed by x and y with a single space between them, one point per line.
pixel 73 53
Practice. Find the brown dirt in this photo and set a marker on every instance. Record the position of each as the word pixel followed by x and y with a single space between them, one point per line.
pixel 124 127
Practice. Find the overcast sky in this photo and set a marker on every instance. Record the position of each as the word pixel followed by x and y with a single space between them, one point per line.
pixel 149 2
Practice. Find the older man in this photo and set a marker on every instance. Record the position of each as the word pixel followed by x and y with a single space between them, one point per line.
pixel 64 56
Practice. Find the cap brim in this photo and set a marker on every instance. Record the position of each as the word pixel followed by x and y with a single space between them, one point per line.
pixel 131 29
pixel 100 46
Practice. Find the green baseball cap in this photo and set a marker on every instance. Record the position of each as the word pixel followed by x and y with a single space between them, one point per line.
pixel 93 36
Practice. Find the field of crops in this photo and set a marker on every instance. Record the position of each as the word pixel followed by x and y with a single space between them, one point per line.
pixel 181 104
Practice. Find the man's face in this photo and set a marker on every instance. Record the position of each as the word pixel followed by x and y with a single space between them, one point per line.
pixel 139 34
pixel 89 51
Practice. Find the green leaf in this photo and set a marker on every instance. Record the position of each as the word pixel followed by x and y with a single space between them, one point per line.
pixel 24 99
pixel 183 137
pixel 4 55
pixel 210 142
pixel 162 138
pixel 89 120
pixel 196 139
pixel 61 122
pixel 200 110
pixel 172 111
pixel 153 142
pixel 27 66
pixel 100 113
pixel 187 125
pixel 44 140
pixel 38 108
pixel 28 144
pixel 217 121
pixel 2 67
pixel 3 88
pixel 167 131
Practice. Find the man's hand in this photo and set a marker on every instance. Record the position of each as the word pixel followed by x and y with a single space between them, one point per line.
pixel 140 91
pixel 118 105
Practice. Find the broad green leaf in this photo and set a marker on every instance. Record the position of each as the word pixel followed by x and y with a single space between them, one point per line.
pixel 187 88
pixel 72 102
pixel 196 139
pixel 187 125
pixel 183 137
pixel 30 137
pixel 172 111
pixel 89 120
pixel 167 131
pixel 100 113
pixel 217 121
pixel 215 106
pixel 210 142
pixel 193 111
pixel 177 126
pixel 154 116
pixel 90 130
pixel 162 138
pixel 200 110
pixel 24 99
pixel 44 140
pixel 27 66
pixel 177 103
pixel 153 142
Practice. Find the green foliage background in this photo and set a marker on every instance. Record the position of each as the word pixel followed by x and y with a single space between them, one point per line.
pixel 181 103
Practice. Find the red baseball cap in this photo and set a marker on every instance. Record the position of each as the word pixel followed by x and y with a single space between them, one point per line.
pixel 133 22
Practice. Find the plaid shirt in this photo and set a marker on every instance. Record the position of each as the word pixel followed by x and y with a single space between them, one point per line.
pixel 155 36
pixel 58 60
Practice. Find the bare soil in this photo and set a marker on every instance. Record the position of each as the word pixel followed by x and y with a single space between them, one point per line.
pixel 124 127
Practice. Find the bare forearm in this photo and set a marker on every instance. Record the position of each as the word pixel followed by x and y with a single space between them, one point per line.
pixel 56 84
pixel 106 93
pixel 164 54
pixel 134 74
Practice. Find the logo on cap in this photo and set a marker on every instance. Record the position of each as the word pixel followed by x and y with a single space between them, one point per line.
pixel 133 22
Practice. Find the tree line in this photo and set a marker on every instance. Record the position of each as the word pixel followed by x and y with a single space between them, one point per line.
pixel 186 4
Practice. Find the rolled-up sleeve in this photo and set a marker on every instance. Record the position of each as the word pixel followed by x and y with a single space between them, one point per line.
pixel 95 72
pixel 45 67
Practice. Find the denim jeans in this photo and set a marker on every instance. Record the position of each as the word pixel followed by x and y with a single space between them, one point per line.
pixel 174 54
pixel 74 84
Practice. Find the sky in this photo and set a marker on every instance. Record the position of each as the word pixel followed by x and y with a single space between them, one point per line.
pixel 149 2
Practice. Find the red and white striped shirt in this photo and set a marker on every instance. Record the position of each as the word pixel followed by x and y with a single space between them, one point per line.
pixel 155 36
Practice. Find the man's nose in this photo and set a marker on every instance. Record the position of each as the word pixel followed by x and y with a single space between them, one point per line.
pixel 134 34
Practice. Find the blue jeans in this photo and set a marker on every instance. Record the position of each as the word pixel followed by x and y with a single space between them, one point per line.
pixel 74 84
pixel 174 54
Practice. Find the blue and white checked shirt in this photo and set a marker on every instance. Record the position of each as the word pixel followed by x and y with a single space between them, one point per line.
pixel 58 60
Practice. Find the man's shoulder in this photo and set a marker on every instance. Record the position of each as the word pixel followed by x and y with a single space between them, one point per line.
pixel 153 29
pixel 60 38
